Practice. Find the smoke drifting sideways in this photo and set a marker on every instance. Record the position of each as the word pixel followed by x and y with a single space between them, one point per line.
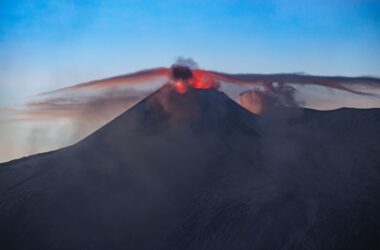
pixel 185 75
pixel 62 117
pixel 87 106
pixel 261 93
pixel 256 92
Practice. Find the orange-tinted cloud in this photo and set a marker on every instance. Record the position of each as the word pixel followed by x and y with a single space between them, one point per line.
pixel 85 107
pixel 355 85
pixel 133 79
pixel 116 94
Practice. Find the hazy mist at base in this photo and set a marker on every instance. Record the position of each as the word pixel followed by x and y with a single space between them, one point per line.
pixel 197 171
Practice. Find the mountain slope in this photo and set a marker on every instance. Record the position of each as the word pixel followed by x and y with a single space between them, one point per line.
pixel 197 171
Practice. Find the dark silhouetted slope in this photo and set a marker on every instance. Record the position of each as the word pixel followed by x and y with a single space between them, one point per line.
pixel 197 171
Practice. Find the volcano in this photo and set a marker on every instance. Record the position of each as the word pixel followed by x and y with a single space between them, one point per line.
pixel 195 170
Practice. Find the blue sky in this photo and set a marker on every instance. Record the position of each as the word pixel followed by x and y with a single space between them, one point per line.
pixel 49 44
pixel 46 44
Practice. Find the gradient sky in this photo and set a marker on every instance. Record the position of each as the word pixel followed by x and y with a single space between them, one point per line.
pixel 49 44
pixel 46 44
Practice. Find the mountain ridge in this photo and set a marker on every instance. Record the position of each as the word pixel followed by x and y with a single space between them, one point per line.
pixel 197 171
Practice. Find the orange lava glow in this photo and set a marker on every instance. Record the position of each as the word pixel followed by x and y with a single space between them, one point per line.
pixel 202 80
pixel 180 86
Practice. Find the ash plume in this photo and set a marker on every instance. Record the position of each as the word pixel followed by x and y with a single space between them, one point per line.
pixel 143 77
pixel 355 85
pixel 186 62
pixel 181 72
pixel 256 92
pixel 270 96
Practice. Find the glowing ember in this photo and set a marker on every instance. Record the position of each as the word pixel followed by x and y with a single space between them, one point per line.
pixel 185 78
pixel 202 80
pixel 180 86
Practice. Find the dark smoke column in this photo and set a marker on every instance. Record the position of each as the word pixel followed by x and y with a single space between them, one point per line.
pixel 181 76
pixel 180 72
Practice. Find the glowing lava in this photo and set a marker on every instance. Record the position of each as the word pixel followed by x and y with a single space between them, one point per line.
pixel 203 80
pixel 185 78
pixel 180 86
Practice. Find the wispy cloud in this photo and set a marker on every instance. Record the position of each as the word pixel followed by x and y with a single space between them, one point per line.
pixel 85 107
pixel 107 97
pixel 144 77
